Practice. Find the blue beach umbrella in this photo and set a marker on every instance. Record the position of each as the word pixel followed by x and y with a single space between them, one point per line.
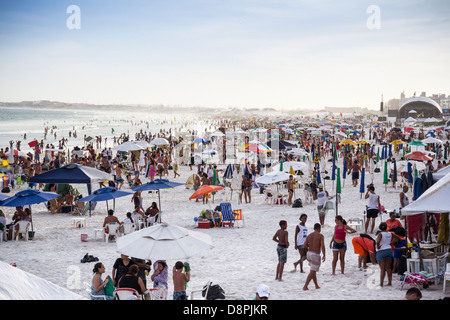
pixel 333 172
pixel 319 181
pixel 344 173
pixel 105 194
pixel 229 172
pixel 157 184
pixel 361 184
pixel 27 198
pixel 390 150
pixel 410 176
pixel 417 189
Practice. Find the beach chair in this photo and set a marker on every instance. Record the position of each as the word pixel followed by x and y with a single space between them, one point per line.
pixel 238 217
pixel 24 227
pixel 126 294
pixel 128 228
pixel 355 223
pixel 113 230
pixel 446 278
pixel 227 214
pixel 94 296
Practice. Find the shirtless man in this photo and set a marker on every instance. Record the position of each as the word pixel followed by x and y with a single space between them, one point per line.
pixel 290 187
pixel 314 243
pixel 355 169
pixel 180 279
pixel 281 236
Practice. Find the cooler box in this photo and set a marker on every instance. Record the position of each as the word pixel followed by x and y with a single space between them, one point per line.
pixel 203 224
pixel 228 224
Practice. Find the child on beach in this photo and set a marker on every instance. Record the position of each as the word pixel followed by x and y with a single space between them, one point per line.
pixel 180 280
pixel 281 236
pixel 301 232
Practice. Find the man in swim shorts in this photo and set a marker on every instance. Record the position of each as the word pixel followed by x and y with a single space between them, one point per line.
pixel 315 244
pixel 281 236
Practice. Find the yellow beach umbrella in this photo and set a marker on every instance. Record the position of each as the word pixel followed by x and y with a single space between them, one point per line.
pixel 348 141
pixel 363 142
pixel 398 141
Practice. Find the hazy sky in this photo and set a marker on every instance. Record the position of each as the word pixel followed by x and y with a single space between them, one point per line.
pixel 241 53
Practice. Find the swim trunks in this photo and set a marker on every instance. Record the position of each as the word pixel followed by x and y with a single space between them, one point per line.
pixel 282 253
pixel 314 260
pixel 179 295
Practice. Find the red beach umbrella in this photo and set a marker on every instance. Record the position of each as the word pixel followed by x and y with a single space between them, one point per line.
pixel 418 155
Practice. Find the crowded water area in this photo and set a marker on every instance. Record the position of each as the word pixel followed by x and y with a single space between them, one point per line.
pixel 266 205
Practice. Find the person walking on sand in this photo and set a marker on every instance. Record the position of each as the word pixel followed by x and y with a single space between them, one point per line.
pixel 338 243
pixel 373 206
pixel 315 243
pixel 301 232
pixel 290 187
pixel 281 237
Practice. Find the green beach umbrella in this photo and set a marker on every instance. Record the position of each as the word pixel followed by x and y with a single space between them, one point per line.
pixel 338 181
pixel 281 165
pixel 378 154
pixel 385 178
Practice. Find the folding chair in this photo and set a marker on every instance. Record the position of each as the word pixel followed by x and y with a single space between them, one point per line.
pixel 204 289
pixel 238 216
pixel 227 214
pixel 126 294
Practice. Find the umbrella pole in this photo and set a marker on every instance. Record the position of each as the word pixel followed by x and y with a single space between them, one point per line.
pixel 159 200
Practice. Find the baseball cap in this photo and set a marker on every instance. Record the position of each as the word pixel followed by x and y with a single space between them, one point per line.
pixel 320 186
pixel 263 291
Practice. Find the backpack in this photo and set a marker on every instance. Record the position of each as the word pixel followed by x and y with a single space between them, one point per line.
pixel 214 292
pixel 297 203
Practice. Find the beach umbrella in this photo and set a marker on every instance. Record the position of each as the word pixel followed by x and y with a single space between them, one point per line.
pixel 445 152
pixel 128 146
pixel 431 140
pixel 390 151
pixel 333 170
pixel 229 171
pixel 361 183
pixel 338 180
pixel 204 190
pixel 319 180
pixel 418 188
pixel 157 184
pixel 418 155
pixel 385 177
pixel 394 174
pixel 286 165
pixel 348 142
pixel 160 142
pixel 163 242
pixel 17 284
pixel 105 194
pixel 410 177
pixel 27 198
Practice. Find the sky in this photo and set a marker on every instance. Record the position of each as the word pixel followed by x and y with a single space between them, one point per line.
pixel 282 54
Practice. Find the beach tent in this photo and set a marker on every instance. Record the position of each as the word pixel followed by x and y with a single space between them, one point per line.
pixel 16 284
pixel 433 200
pixel 441 173
pixel 73 173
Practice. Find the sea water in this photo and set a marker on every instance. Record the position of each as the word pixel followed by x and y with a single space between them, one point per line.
pixel 16 122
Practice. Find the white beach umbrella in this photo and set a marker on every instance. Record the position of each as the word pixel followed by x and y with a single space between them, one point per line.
pixel 160 142
pixel 164 242
pixel 431 140
pixel 128 146
pixel 296 165
pixel 273 177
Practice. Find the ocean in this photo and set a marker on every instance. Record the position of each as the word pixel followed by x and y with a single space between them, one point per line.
pixel 16 122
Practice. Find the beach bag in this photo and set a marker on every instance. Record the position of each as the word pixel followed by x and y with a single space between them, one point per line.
pixel 109 288
pixel 214 292
pixel 297 203
pixel 6 190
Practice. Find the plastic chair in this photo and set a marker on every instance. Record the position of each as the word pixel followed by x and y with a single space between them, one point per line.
pixel 355 223
pixel 126 294
pixel 94 296
pixel 128 228
pixel 446 278
pixel 112 229
pixel 24 226
pixel 204 289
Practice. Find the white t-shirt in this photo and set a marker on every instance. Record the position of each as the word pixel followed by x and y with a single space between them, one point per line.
pixel 301 236
pixel 321 198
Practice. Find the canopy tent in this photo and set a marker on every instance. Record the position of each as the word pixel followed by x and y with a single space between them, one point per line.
pixel 441 173
pixel 433 200
pixel 16 284
pixel 73 173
